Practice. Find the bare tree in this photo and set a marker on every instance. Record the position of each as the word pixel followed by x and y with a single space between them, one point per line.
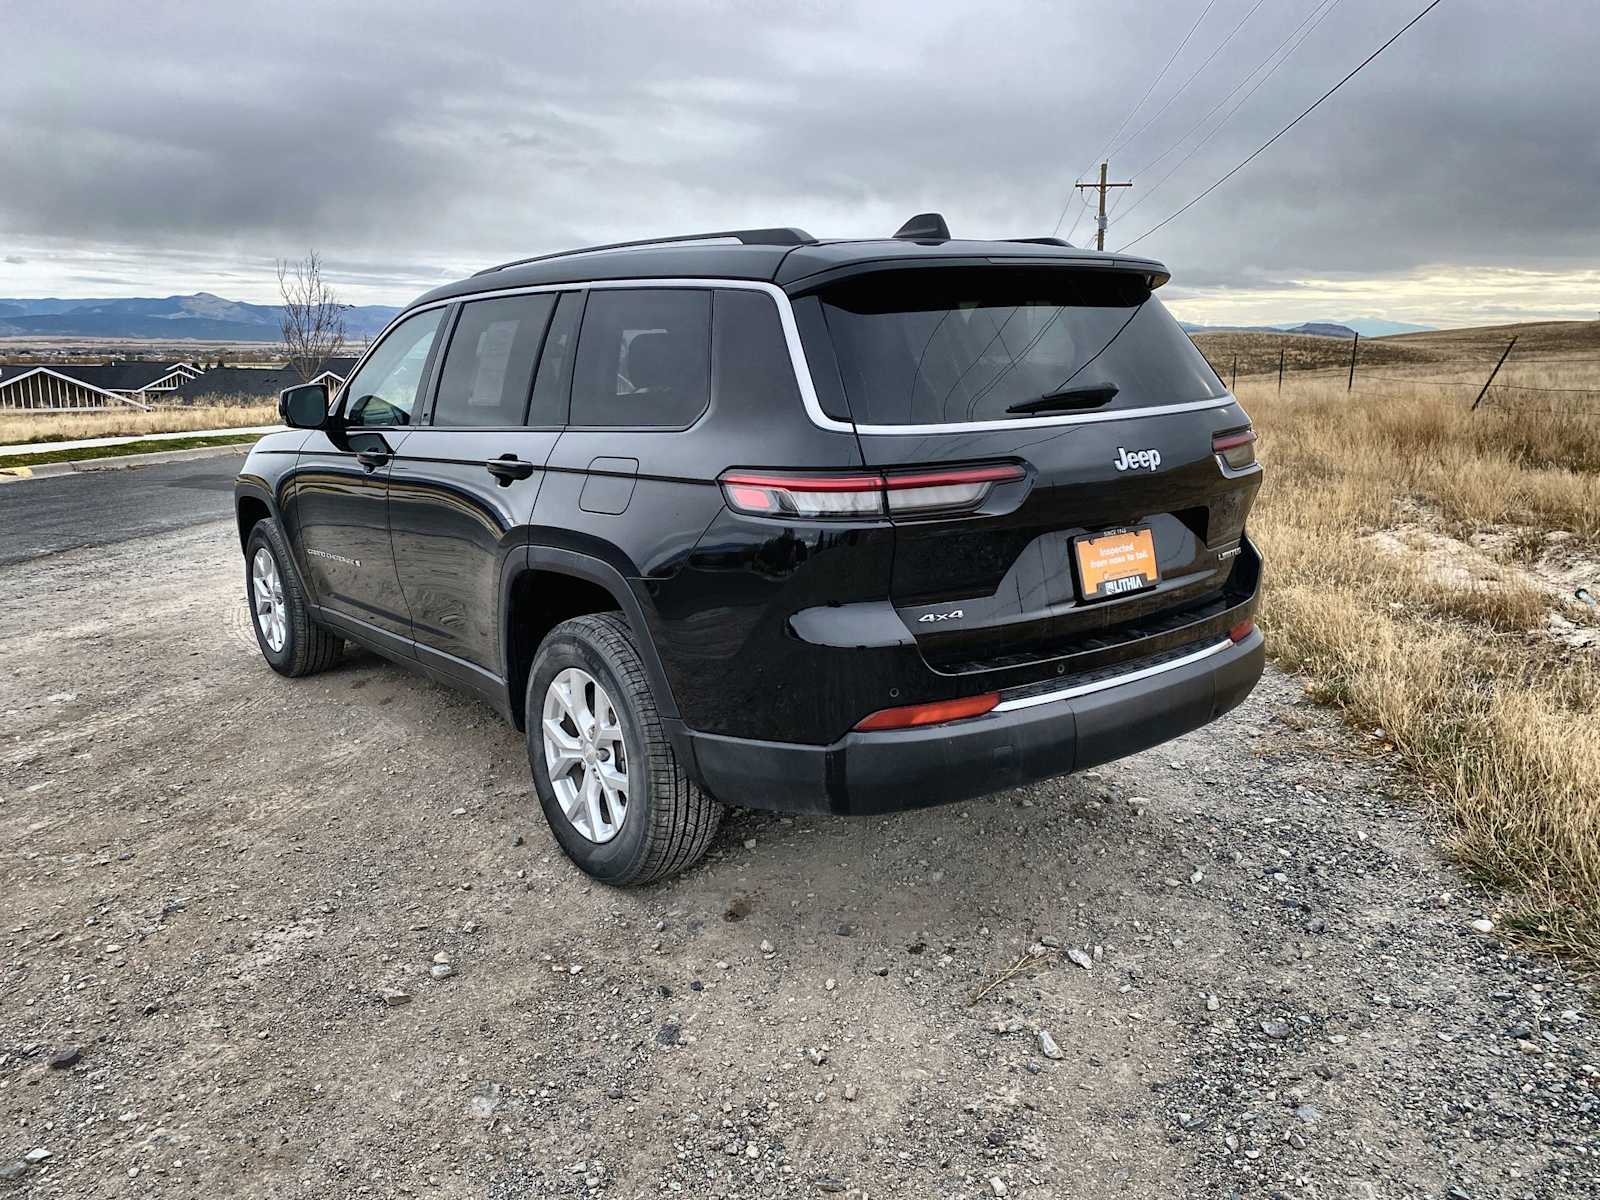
pixel 313 318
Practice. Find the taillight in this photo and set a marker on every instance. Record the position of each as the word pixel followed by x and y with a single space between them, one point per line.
pixel 1241 631
pixel 1237 448
pixel 909 493
pixel 804 495
pixel 940 711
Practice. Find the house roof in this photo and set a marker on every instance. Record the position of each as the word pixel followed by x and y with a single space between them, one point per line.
pixel 117 376
pixel 10 373
pixel 238 381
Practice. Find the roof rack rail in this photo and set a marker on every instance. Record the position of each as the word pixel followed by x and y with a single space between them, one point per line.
pixel 783 236
pixel 1044 241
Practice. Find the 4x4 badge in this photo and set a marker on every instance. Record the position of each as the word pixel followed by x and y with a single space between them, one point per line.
pixel 955 614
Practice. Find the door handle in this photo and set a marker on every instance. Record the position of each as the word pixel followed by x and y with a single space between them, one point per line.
pixel 508 467
pixel 371 460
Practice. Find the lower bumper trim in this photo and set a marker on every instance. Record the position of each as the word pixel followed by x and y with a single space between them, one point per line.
pixel 1020 742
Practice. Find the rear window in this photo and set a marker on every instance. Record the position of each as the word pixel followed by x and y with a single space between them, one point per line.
pixel 936 347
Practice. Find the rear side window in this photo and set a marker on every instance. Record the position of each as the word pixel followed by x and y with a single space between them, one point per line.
pixel 753 370
pixel 966 344
pixel 488 369
pixel 644 358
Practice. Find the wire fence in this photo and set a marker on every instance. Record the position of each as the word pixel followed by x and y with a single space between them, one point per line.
pixel 1479 383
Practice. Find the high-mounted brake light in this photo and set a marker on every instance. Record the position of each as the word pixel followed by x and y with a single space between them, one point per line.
pixel 935 490
pixel 940 711
pixel 1237 447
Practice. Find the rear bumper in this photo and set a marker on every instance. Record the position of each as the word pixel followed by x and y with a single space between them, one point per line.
pixel 1030 736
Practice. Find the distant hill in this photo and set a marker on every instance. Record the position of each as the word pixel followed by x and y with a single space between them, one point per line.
pixel 1367 327
pixel 1322 329
pixel 201 316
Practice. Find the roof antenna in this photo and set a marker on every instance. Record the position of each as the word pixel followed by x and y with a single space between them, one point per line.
pixel 924 227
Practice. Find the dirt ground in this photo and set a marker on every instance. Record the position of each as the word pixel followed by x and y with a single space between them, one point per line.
pixel 211 875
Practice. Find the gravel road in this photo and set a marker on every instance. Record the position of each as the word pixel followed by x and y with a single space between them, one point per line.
pixel 1256 973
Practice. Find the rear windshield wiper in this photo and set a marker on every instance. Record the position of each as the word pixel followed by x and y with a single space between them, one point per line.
pixel 1090 395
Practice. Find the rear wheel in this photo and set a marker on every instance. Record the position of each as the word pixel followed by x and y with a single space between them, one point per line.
pixel 290 641
pixel 610 785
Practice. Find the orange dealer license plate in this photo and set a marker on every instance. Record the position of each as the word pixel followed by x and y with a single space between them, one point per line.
pixel 1114 564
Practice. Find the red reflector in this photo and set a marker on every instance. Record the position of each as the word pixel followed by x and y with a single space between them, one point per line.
pixel 1241 631
pixel 930 714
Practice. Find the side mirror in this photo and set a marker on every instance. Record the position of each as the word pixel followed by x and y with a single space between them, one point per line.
pixel 304 407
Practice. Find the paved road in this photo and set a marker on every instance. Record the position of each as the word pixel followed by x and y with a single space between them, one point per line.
pixel 101 508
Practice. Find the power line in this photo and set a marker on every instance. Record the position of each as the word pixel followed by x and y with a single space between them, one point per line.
pixel 1313 19
pixel 1160 75
pixel 1233 33
pixel 1260 149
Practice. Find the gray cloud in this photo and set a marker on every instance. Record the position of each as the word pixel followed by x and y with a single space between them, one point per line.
pixel 415 144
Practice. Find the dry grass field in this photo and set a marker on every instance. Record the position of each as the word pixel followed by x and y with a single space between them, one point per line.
pixel 1464 357
pixel 1423 562
pixel 20 427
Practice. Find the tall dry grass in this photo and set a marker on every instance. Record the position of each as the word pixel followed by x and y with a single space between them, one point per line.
pixel 1501 722
pixel 19 427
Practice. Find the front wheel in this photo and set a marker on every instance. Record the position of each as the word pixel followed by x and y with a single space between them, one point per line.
pixel 611 787
pixel 290 641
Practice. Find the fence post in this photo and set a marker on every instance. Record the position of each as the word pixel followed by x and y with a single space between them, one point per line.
pixel 1503 355
pixel 1280 368
pixel 1234 382
pixel 1351 382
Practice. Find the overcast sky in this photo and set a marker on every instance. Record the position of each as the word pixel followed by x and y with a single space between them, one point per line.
pixel 175 147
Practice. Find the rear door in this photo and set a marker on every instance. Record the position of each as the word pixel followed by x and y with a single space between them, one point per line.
pixel 1081 376
pixel 627 475
pixel 463 486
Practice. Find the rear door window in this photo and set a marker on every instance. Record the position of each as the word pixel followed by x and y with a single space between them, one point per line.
pixel 644 358
pixel 938 347
pixel 488 369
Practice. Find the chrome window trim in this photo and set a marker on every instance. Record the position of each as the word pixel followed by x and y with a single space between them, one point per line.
pixel 797 359
pixel 1100 685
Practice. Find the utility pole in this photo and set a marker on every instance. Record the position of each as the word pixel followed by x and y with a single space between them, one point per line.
pixel 1100 221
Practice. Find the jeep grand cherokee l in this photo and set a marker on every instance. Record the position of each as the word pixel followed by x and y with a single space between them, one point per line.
pixel 761 519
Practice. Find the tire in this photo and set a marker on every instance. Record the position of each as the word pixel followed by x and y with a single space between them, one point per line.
pixel 306 647
pixel 666 822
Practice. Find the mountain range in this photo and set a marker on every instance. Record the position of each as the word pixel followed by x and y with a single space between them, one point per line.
pixel 202 316
pixel 211 318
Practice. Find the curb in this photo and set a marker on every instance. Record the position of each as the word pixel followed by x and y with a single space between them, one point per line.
pixel 85 466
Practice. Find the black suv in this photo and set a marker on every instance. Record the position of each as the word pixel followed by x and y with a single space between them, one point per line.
pixel 755 518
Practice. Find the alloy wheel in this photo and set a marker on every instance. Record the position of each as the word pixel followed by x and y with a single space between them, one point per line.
pixel 267 588
pixel 585 754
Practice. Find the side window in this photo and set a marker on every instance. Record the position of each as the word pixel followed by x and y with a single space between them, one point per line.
pixel 554 384
pixel 751 367
pixel 644 358
pixel 488 369
pixel 384 391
